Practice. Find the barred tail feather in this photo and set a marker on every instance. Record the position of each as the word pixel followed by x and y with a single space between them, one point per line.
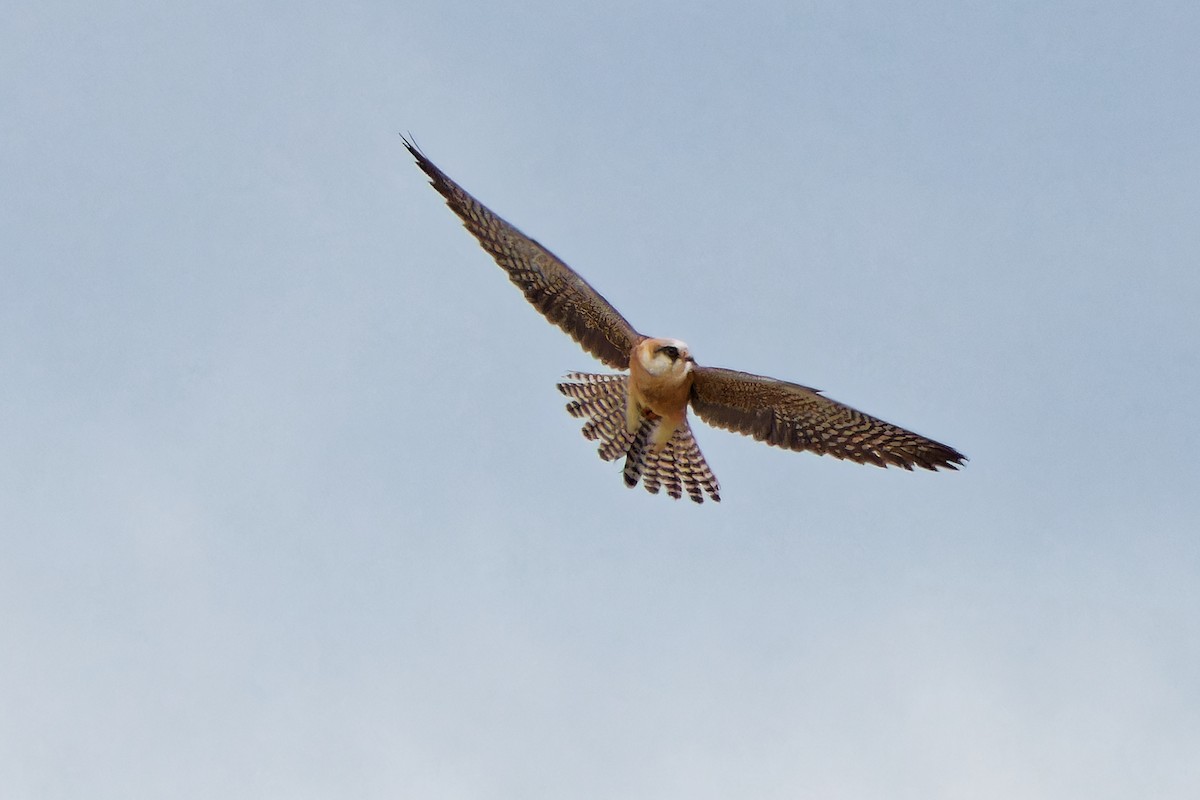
pixel 679 465
pixel 635 459
pixel 600 399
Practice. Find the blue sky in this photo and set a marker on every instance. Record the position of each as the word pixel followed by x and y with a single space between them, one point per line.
pixel 289 505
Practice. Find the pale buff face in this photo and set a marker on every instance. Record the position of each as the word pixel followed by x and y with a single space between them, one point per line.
pixel 664 358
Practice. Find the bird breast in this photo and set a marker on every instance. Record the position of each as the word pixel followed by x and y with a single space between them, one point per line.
pixel 659 383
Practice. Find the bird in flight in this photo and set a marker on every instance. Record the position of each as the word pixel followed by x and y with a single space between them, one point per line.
pixel 642 415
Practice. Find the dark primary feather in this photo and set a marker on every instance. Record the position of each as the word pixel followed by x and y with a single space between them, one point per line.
pixel 799 418
pixel 551 286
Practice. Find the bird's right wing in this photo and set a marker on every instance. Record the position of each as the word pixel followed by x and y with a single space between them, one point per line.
pixel 796 417
pixel 551 286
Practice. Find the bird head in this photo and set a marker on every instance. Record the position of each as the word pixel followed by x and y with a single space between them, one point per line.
pixel 662 357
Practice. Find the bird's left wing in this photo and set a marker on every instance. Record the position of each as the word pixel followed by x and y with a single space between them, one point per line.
pixel 799 418
pixel 551 286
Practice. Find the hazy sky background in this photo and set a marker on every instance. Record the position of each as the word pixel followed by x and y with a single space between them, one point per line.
pixel 290 507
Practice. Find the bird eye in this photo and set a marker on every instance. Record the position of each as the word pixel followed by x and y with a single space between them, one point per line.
pixel 671 350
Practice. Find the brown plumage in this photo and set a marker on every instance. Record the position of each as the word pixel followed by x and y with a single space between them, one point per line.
pixel 796 417
pixel 551 286
pixel 643 415
pixel 678 464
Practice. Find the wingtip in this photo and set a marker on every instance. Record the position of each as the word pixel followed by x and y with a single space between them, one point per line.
pixel 437 179
pixel 953 461
pixel 410 144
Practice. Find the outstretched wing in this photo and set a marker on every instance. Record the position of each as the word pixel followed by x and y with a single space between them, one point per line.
pixel 799 418
pixel 555 289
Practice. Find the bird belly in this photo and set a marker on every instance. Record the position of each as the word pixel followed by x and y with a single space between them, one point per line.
pixel 657 397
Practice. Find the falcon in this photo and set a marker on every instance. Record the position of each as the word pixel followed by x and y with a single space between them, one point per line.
pixel 642 414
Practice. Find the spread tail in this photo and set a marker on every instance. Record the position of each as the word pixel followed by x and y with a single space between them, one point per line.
pixel 679 465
